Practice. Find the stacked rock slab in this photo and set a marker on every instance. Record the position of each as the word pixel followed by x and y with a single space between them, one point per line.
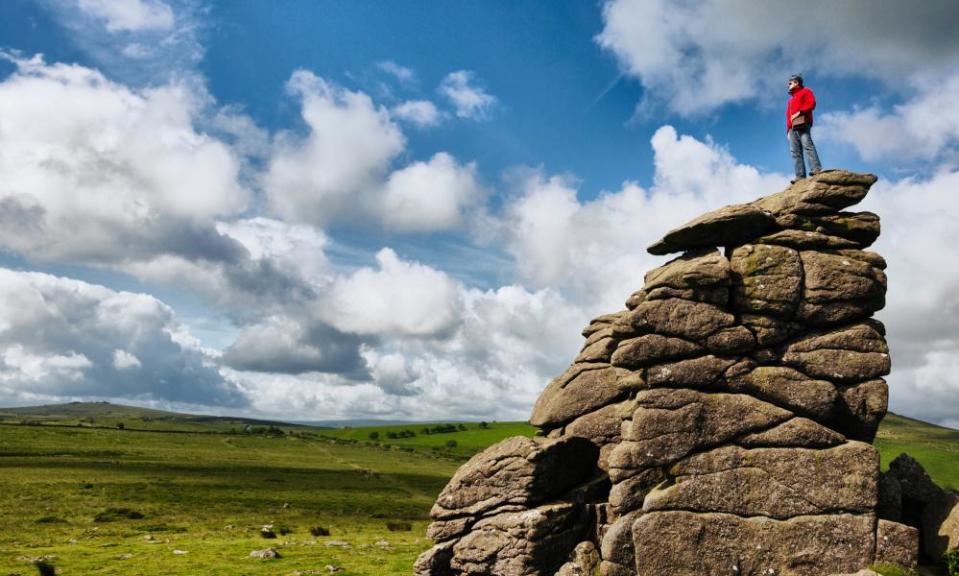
pixel 720 424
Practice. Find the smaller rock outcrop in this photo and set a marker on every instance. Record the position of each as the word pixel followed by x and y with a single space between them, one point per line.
pixel 908 495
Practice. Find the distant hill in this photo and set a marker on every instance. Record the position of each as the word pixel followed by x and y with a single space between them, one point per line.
pixel 108 415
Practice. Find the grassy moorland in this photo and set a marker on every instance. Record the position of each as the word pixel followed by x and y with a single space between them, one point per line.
pixel 76 493
pixel 72 485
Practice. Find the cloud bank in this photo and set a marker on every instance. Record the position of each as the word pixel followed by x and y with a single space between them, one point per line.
pixel 694 57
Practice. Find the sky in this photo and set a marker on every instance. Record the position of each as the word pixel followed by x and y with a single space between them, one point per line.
pixel 320 210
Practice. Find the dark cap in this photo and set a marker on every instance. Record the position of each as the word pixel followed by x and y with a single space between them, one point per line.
pixel 797 78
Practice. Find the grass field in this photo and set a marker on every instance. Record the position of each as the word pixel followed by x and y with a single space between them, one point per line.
pixel 936 448
pixel 208 492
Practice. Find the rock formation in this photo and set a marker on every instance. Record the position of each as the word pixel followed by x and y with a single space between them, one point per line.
pixel 720 424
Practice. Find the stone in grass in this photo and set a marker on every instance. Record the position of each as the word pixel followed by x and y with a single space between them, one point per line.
pixel 337 544
pixel 399 526
pixel 114 514
pixel 266 554
pixel 319 531
pixel 267 531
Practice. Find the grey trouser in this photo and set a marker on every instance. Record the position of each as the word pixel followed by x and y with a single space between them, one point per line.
pixel 800 139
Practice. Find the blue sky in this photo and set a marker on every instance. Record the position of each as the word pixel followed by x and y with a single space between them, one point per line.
pixel 409 209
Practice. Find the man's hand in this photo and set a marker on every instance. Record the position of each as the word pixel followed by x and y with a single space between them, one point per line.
pixel 796 115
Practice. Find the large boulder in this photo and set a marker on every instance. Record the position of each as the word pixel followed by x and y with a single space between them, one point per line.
pixel 897 544
pixel 580 390
pixel 861 228
pixel 769 279
pixel 861 408
pixel 796 432
pixel 717 425
pixel 681 543
pixel 839 287
pixel 908 495
pixel 677 317
pixel 847 354
pixel 669 424
pixel 727 226
pixel 529 543
pixel 702 277
pixel 790 389
pixel 515 474
pixel 824 194
pixel 702 372
pixel 775 482
pixel 653 349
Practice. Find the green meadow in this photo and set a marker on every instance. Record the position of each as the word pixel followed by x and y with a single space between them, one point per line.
pixel 935 447
pixel 181 495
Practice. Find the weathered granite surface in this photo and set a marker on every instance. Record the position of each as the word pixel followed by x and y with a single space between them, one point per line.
pixel 720 424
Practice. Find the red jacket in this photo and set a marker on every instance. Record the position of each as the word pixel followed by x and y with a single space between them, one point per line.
pixel 802 100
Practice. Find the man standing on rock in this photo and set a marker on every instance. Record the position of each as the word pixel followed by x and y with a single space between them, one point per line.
pixel 799 127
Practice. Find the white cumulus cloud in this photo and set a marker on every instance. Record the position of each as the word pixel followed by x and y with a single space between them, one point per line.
pixel 397 297
pixel 62 338
pixel 123 360
pixel 401 73
pixel 97 172
pixel 346 153
pixel 130 15
pixel 922 302
pixel 469 100
pixel 595 251
pixel 429 196
pixel 421 113
pixel 694 57
pixel 297 249
pixel 923 127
